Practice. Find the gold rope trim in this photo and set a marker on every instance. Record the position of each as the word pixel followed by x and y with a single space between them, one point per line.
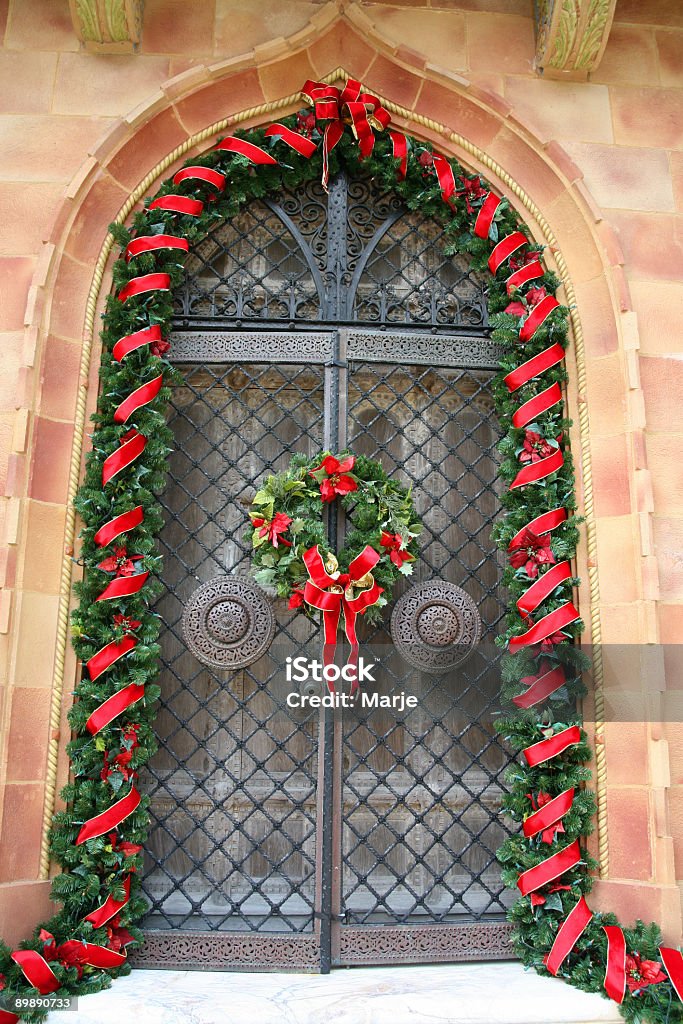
pixel 65 584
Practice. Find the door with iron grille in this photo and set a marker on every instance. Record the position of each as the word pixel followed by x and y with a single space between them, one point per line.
pixel 294 838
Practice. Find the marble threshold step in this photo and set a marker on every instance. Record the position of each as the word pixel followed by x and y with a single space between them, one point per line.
pixel 482 993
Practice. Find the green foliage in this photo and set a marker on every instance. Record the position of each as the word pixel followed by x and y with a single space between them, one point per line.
pixel 97 868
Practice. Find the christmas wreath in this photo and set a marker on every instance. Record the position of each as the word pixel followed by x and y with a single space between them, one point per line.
pixel 291 549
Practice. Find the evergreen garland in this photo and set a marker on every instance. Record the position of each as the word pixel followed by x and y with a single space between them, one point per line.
pixel 102 765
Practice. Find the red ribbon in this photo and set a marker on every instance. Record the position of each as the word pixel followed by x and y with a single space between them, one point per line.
pixel 109 655
pixel 118 525
pixel 36 970
pixel 540 686
pixel 145 283
pixel 537 405
pixel 482 224
pixel 538 315
pixel 572 928
pixel 129 451
pixel 444 173
pixel 548 814
pixel 536 471
pixel 673 962
pixel 542 588
pixel 399 151
pixel 110 907
pixel 130 342
pixel 230 144
pixel 150 243
pixel 113 706
pixel 7 1017
pixel 549 869
pixel 138 398
pixel 205 174
pixel 299 143
pixel 351 105
pixel 555 745
pixel 332 602
pixel 528 272
pixel 178 204
pixel 544 523
pixel 109 819
pixel 615 972
pixel 123 586
pixel 505 248
pixel 534 367
pixel 550 624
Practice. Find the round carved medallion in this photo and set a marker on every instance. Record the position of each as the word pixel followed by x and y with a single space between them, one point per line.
pixel 435 626
pixel 228 622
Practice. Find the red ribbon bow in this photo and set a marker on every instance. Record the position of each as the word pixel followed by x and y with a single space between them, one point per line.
pixel 349 105
pixel 330 594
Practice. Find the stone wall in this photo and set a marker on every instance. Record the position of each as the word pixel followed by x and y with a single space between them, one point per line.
pixel 603 162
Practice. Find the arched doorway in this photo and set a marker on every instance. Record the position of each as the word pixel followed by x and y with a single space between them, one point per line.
pixel 301 838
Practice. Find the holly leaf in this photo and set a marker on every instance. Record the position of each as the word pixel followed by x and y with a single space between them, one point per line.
pixel 553 901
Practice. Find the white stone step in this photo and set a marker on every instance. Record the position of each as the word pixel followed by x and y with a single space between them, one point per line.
pixel 483 993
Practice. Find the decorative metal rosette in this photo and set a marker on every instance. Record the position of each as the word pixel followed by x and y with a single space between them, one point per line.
pixel 228 622
pixel 435 626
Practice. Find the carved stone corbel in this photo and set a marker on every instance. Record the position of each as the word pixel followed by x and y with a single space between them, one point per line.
pixel 108 26
pixel 571 36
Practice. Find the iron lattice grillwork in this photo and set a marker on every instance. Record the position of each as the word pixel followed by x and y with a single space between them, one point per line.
pixel 316 835
pixel 355 256
pixel 233 785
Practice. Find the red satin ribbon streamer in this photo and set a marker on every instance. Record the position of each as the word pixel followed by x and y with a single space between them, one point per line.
pixel 540 687
pixel 243 148
pixel 118 525
pixel 537 405
pixel 109 819
pixel 150 243
pixel 206 174
pixel 128 452
pixel 110 907
pixel 113 706
pixel 528 272
pixel 145 283
pixel 303 146
pixel 555 745
pixel 615 973
pixel 551 623
pixel 7 1017
pixel 549 869
pixel 549 814
pixel 444 173
pixel 123 586
pixel 332 602
pixel 536 471
pixel 141 396
pixel 130 342
pixel 399 151
pixel 544 523
pixel 673 962
pixel 572 928
pixel 178 204
pixel 100 956
pixel 482 224
pixel 538 315
pixel 542 588
pixel 505 248
pixel 533 367
pixel 109 655
pixel 36 970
